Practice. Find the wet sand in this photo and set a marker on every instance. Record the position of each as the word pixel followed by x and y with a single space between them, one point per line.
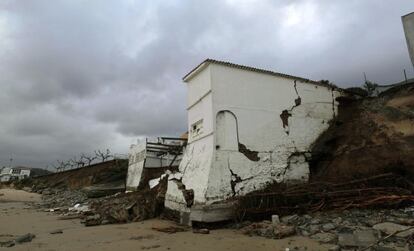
pixel 17 217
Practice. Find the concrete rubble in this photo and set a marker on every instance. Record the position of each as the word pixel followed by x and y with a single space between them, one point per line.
pixel 345 230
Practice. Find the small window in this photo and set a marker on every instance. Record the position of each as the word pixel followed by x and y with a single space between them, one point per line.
pixel 196 129
pixel 16 171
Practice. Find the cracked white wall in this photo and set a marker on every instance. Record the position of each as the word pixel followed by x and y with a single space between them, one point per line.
pixel 258 147
pixel 196 162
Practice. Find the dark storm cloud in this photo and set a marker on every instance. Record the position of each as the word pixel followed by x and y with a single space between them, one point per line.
pixel 80 75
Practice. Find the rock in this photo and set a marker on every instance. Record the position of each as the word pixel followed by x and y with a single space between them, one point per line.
pixel 260 229
pixel 290 219
pixel 275 219
pixel 307 217
pixel 304 233
pixel 119 215
pixel 46 192
pixel 315 221
pixel 57 231
pixel 359 238
pixel 337 220
pixel 265 232
pixel 390 228
pixel 93 220
pixel 324 237
pixel 334 248
pixel 372 221
pixel 381 248
pixel 25 238
pixel 403 221
pixel 27 189
pixel 328 227
pixel 281 231
pixel 313 229
pixel 201 231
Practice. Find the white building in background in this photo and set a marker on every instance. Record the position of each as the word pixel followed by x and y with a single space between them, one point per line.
pixel 14 173
pixel 408 24
pixel 248 128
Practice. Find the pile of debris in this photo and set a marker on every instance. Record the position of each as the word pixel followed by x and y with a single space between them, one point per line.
pixel 128 207
pixel 360 229
pixel 117 208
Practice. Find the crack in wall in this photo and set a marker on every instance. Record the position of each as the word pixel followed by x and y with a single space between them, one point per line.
pixel 284 116
pixel 235 179
pixel 187 193
pixel 188 162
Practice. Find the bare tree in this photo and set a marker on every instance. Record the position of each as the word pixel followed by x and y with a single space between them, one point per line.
pixel 80 162
pixel 62 165
pixel 88 159
pixel 57 167
pixel 77 162
pixel 103 156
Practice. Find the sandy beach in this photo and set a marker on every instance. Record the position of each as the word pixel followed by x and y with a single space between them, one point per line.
pixel 19 217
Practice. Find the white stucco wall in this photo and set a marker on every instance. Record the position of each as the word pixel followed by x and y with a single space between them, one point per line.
pixel 197 158
pixel 257 100
pixel 249 105
pixel 136 161
pixel 408 24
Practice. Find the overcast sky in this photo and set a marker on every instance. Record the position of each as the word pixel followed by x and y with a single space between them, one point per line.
pixel 82 75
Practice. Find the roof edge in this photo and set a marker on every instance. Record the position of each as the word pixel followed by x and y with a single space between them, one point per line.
pixel 196 70
pixel 208 61
pixel 407 14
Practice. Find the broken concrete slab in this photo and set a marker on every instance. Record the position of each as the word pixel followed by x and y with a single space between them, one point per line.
pixel 93 220
pixel 391 228
pixel 324 237
pixel 281 231
pixel 359 238
pixel 102 190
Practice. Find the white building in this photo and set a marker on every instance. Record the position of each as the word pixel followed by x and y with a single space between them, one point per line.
pixel 14 173
pixel 248 128
pixel 408 23
pixel 150 158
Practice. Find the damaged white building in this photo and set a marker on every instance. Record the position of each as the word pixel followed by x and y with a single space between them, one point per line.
pixel 150 158
pixel 248 128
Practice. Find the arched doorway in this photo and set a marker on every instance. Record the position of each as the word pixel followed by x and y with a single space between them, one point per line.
pixel 226 131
